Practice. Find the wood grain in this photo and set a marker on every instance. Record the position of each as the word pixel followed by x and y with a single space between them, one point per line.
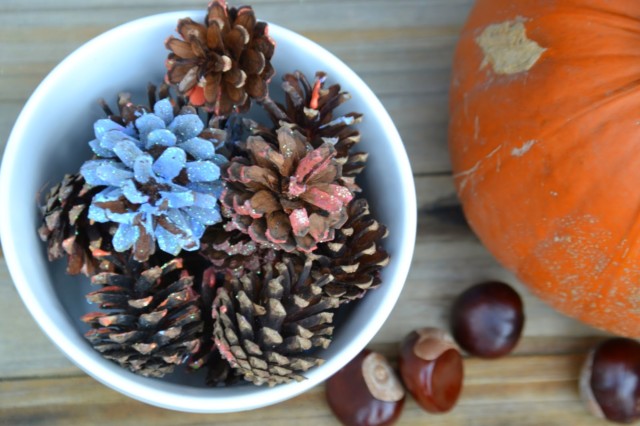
pixel 403 50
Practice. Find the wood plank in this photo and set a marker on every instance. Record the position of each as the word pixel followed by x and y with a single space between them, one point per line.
pixel 25 351
pixel 46 5
pixel 8 113
pixel 525 390
pixel 299 15
pixel 328 14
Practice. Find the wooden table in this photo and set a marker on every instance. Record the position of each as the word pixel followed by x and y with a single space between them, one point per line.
pixel 403 50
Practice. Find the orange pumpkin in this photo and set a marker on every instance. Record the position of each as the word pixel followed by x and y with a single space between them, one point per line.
pixel 545 145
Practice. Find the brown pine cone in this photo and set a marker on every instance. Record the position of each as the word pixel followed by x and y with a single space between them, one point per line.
pixel 67 230
pixel 312 111
pixel 265 325
pixel 287 196
pixel 355 257
pixel 150 318
pixel 233 252
pixel 223 63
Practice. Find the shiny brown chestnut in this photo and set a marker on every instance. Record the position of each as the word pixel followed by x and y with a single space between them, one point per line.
pixel 610 380
pixel 431 369
pixel 366 392
pixel 487 319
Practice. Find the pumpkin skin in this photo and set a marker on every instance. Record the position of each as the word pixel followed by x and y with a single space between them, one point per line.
pixel 545 143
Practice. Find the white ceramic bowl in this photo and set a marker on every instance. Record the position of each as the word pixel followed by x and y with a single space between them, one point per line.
pixel 50 138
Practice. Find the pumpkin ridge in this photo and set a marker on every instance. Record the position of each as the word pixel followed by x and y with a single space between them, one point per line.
pixel 613 15
pixel 621 94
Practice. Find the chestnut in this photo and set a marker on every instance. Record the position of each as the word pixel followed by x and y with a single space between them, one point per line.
pixel 610 380
pixel 487 319
pixel 431 369
pixel 366 392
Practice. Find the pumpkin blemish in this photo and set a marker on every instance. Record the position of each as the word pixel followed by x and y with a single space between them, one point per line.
pixel 507 48
pixel 519 152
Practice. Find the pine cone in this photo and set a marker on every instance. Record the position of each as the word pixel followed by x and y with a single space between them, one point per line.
pixel 69 232
pixel 311 110
pixel 355 257
pixel 232 252
pixel 150 319
pixel 159 178
pixel 223 63
pixel 265 325
pixel 286 196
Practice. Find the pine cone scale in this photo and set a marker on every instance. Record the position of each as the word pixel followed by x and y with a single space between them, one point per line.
pixel 188 28
pixel 180 48
pixel 253 62
pixel 214 41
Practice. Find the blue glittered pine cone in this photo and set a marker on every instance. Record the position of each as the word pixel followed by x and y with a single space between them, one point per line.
pixel 161 181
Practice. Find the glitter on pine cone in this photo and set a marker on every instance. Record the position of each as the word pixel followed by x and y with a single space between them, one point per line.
pixel 150 318
pixel 224 63
pixel 128 112
pixel 69 232
pixel 159 178
pixel 355 257
pixel 266 325
pixel 311 109
pixel 287 196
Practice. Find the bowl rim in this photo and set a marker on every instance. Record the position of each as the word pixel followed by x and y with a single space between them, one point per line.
pixel 175 396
